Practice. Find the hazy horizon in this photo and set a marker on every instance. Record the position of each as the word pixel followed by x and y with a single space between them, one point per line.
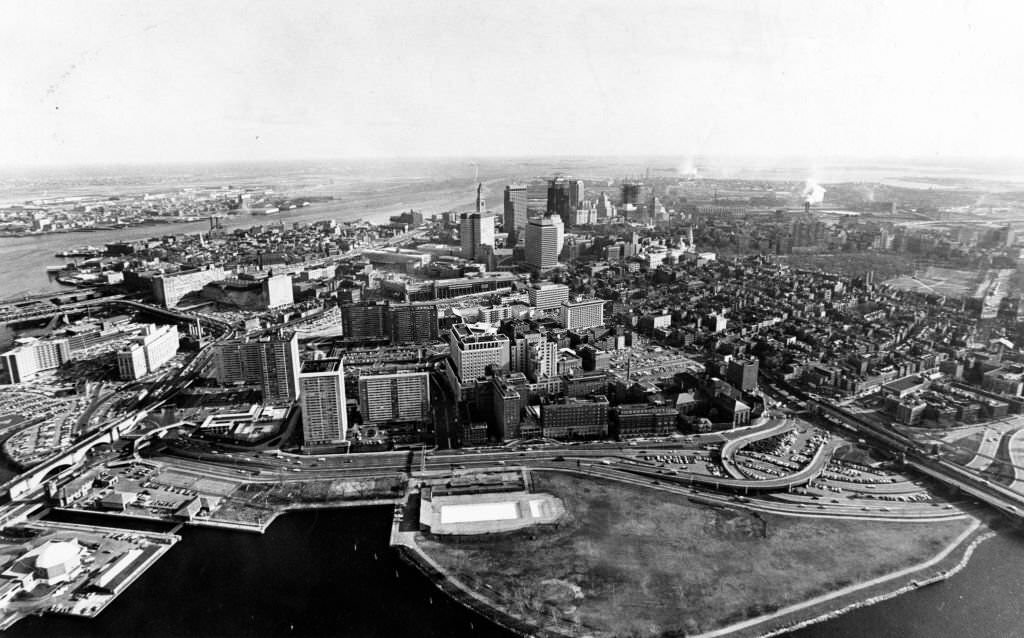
pixel 130 83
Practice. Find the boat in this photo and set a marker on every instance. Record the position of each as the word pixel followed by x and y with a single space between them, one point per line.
pixel 81 251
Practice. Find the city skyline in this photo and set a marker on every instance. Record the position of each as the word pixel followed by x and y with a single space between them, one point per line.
pixel 150 83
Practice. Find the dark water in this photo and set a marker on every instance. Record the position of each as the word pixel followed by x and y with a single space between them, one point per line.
pixel 982 601
pixel 305 577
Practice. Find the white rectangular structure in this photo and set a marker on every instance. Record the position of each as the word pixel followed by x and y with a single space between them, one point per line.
pixel 476 512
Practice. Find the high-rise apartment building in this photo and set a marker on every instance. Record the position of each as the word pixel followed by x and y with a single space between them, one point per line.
pixel 516 201
pixel 476 230
pixel 414 323
pixel 580 315
pixel 272 362
pixel 32 356
pixel 365 320
pixel 542 242
pixel 322 397
pixel 394 398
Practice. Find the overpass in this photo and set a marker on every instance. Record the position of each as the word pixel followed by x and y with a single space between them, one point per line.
pixel 28 483
pixel 732 446
pixel 958 477
pixel 195 321
pixel 746 485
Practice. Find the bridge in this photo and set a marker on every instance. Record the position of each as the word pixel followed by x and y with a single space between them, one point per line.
pixel 194 321
pixel 26 484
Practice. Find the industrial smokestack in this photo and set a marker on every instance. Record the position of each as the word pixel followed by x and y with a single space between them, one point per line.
pixel 813 192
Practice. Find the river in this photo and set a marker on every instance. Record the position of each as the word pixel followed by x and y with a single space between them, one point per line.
pixel 330 573
pixel 24 260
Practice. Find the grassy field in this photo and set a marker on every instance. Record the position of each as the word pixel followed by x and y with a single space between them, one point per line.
pixel 627 561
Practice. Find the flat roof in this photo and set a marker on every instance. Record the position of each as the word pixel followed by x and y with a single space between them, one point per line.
pixel 321 365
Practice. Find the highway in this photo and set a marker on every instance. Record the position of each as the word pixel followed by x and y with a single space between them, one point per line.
pixel 995 495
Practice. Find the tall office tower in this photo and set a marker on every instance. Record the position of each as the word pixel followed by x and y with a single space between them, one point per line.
pixel 516 201
pixel 547 296
pixel 472 353
pixel 394 398
pixel 476 230
pixel 559 197
pixel 742 374
pixel 322 397
pixel 580 315
pixel 272 362
pixel 576 193
pixel 605 208
pixel 542 237
pixel 632 193
pixel 481 205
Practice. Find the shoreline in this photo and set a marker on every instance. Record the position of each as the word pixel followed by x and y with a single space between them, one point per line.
pixel 909 579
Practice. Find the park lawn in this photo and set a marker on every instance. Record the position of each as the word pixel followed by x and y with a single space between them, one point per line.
pixel 962 450
pixel 629 561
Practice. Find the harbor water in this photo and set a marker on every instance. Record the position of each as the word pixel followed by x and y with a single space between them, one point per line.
pixel 331 573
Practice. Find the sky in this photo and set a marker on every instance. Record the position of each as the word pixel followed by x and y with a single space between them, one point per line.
pixel 145 81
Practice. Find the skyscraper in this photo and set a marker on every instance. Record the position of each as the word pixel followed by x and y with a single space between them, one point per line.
pixel 576 193
pixel 559 197
pixel 542 236
pixel 322 396
pixel 516 201
pixel 475 231
pixel 481 204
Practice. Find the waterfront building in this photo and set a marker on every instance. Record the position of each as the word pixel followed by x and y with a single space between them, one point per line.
pixel 516 202
pixel 322 398
pixel 32 356
pixel 547 296
pixel 394 398
pixel 476 232
pixel 580 315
